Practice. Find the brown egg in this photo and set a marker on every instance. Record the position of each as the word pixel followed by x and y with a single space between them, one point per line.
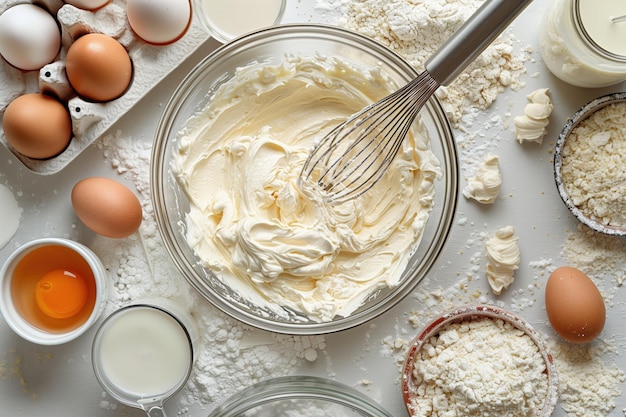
pixel 37 126
pixel 98 67
pixel 574 305
pixel 107 207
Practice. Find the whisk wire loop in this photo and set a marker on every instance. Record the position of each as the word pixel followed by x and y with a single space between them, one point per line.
pixel 357 153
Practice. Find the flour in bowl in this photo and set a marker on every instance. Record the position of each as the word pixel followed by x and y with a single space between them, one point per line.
pixel 593 167
pixel 484 367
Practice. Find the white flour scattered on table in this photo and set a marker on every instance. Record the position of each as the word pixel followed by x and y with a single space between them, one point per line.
pixel 232 355
pixel 588 387
pixel 414 29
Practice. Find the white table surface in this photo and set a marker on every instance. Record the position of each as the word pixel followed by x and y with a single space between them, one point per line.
pixel 58 381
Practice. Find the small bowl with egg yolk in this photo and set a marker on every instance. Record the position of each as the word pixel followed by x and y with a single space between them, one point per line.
pixel 53 290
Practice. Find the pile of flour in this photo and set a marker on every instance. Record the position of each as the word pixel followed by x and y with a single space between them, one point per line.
pixel 415 29
pixel 479 368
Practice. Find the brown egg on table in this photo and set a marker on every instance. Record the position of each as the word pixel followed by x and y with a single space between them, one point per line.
pixel 98 67
pixel 107 207
pixel 574 305
pixel 37 126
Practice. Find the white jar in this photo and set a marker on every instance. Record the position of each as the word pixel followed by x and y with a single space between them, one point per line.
pixel 581 44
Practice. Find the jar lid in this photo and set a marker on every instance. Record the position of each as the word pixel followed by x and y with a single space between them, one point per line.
pixel 600 22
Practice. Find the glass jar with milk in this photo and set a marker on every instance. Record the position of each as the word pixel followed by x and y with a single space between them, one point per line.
pixel 143 354
pixel 583 41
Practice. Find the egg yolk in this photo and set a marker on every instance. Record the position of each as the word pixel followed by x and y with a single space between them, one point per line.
pixel 61 294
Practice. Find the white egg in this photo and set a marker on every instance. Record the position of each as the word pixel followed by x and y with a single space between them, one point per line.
pixel 87 4
pixel 159 22
pixel 29 37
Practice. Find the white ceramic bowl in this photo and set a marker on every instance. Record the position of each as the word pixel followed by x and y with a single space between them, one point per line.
pixel 10 310
pixel 477 312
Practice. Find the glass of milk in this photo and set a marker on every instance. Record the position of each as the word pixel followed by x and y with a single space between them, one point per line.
pixel 142 355
pixel 226 20
pixel 582 41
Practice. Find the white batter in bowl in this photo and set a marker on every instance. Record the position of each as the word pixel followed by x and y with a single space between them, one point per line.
pixel 225 167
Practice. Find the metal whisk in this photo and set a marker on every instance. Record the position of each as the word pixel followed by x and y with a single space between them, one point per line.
pixel 356 154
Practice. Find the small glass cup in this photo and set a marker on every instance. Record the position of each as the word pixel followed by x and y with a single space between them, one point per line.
pixel 227 20
pixel 142 355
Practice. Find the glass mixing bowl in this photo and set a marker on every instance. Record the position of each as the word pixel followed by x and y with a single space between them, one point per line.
pixel 270 46
pixel 299 396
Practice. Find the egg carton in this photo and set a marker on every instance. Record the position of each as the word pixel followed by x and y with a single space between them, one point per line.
pixel 91 120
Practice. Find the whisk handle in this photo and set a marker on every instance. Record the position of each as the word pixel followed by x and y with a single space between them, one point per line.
pixel 471 39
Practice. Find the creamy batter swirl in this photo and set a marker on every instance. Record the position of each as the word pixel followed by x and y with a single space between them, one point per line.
pixel 275 242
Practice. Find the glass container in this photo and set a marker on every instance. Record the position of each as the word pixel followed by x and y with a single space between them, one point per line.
pixel 299 396
pixel 270 46
pixel 578 41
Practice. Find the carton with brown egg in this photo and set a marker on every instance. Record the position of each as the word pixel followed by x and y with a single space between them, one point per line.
pixel 91 112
